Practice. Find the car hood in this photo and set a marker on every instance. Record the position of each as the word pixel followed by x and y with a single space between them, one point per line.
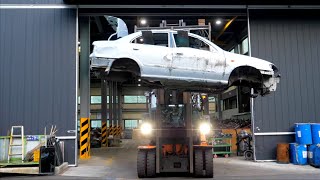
pixel 233 59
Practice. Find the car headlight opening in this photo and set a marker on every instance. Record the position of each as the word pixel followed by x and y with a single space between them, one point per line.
pixel 205 128
pixel 146 128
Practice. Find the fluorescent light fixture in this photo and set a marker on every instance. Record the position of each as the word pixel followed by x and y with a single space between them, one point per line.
pixel 218 22
pixel 143 21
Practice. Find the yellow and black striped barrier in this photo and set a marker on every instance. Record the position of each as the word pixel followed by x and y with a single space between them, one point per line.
pixel 104 134
pixel 115 130
pixel 84 138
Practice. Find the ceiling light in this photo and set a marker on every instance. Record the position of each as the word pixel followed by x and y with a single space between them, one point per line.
pixel 218 22
pixel 143 22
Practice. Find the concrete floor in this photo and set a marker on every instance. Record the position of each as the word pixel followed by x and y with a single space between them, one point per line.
pixel 120 163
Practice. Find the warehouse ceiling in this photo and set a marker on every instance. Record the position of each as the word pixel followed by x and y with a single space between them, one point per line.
pixel 222 34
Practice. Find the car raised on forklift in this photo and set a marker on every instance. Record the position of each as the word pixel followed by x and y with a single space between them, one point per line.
pixel 182 60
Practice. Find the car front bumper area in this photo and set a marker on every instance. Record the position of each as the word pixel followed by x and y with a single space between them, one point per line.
pixel 271 83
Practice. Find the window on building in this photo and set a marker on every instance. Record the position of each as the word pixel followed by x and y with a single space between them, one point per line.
pixel 211 99
pixel 135 99
pixel 95 99
pixel 230 103
pixel 245 46
pixel 95 123
pixel 131 124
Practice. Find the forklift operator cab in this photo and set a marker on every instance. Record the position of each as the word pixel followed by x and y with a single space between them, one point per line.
pixel 175 144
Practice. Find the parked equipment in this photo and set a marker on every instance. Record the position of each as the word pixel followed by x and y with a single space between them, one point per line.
pixel 175 145
pixel 221 144
pixel 244 145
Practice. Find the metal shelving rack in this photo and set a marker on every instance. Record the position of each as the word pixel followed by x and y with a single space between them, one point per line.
pixel 221 146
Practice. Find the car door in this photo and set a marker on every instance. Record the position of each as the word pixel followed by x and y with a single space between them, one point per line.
pixel 154 52
pixel 194 58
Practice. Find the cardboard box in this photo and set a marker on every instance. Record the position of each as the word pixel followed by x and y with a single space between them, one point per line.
pixel 201 22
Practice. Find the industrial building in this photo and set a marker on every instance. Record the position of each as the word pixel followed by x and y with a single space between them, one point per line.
pixel 46 79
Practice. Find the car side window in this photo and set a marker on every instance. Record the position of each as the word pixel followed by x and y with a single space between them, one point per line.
pixel 198 44
pixel 157 39
pixel 190 42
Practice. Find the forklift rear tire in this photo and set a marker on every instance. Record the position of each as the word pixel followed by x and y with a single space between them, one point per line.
pixel 198 163
pixel 142 163
pixel 208 163
pixel 151 163
pixel 248 154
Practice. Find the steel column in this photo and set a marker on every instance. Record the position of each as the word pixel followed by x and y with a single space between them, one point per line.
pixel 188 120
pixel 120 107
pixel 110 103
pixel 104 98
pixel 84 24
pixel 114 106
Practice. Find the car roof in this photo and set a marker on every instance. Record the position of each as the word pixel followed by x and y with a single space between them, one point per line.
pixel 133 35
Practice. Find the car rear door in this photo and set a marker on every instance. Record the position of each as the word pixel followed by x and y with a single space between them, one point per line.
pixel 193 58
pixel 154 52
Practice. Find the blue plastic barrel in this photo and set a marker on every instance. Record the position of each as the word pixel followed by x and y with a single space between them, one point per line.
pixel 316 156
pixel 303 133
pixel 311 149
pixel 315 130
pixel 298 154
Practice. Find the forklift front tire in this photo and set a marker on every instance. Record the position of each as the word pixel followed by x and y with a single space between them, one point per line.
pixel 151 163
pixel 209 163
pixel 142 163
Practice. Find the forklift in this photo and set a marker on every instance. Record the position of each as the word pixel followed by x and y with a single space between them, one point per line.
pixel 177 131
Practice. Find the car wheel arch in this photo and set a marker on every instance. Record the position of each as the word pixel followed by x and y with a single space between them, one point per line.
pixel 132 65
pixel 245 76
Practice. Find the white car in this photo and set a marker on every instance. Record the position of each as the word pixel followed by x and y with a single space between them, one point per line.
pixel 182 60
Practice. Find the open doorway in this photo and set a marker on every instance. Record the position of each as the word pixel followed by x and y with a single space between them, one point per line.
pixel 229 110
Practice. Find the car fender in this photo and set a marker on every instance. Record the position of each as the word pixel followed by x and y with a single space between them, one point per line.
pixel 234 61
pixel 132 58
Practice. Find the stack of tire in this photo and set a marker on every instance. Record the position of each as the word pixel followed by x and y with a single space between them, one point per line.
pixel 306 149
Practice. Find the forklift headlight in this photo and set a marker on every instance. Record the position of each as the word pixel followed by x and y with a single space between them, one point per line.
pixel 205 128
pixel 146 128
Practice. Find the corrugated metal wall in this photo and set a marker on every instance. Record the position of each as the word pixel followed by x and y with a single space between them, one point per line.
pixel 38 71
pixel 290 39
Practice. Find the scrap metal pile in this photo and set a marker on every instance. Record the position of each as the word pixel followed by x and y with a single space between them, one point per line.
pixel 232 124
